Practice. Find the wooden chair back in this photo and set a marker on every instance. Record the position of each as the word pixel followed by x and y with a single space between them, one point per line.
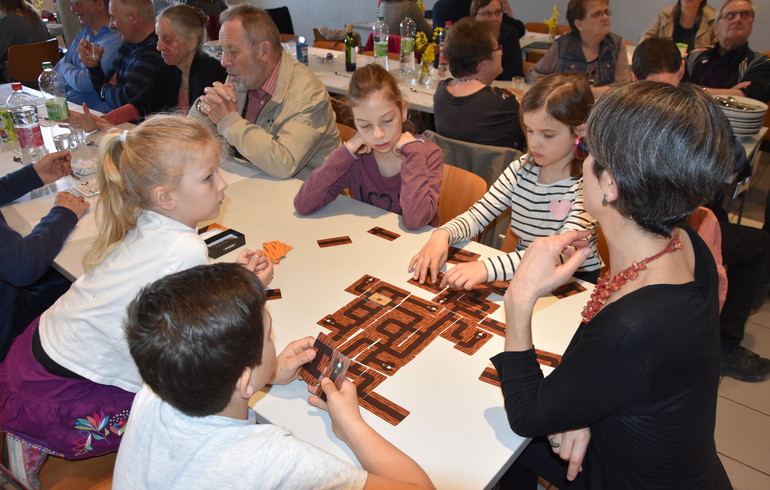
pixel 346 132
pixel 533 57
pixel 285 38
pixel 509 242
pixel 459 190
pixel 317 36
pixel 25 61
pixel 542 28
pixel 333 45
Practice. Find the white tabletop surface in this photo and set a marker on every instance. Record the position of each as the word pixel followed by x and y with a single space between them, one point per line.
pixel 337 80
pixel 457 428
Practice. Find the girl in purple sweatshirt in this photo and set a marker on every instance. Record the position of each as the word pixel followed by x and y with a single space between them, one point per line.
pixel 382 165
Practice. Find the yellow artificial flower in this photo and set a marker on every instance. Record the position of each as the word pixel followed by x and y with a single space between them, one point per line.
pixel 551 23
pixel 421 5
pixel 420 40
pixel 429 54
pixel 437 33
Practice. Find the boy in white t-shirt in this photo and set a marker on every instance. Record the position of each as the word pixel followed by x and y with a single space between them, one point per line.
pixel 201 341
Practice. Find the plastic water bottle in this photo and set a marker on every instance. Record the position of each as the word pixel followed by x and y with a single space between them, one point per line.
pixel 24 116
pixel 380 41
pixel 408 31
pixel 443 64
pixel 55 93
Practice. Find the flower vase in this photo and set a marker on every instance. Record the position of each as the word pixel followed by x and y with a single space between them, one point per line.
pixel 551 34
pixel 424 73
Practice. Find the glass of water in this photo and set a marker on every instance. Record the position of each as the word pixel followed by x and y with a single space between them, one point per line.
pixel 94 55
pixel 63 142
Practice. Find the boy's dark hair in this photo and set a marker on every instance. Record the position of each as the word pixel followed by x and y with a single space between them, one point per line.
pixel 655 55
pixel 192 334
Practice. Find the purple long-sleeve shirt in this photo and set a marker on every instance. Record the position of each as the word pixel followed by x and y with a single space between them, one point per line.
pixel 412 193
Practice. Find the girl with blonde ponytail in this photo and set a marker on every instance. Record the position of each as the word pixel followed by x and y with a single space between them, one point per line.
pixel 69 380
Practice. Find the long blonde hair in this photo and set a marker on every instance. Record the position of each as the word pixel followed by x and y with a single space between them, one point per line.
pixel 154 153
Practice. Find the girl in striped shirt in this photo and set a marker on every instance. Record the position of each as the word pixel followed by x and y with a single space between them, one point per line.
pixel 544 189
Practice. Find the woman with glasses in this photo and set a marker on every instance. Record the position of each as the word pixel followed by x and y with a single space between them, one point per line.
pixel 507 36
pixel 632 403
pixel 731 67
pixel 689 22
pixel 590 48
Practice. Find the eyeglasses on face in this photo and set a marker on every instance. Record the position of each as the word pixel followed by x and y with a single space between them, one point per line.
pixel 498 48
pixel 493 13
pixel 744 14
pixel 599 13
pixel 581 150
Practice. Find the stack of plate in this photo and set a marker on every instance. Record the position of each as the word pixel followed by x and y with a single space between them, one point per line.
pixel 745 115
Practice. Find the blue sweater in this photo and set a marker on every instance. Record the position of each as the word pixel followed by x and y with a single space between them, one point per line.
pixel 23 260
pixel 134 71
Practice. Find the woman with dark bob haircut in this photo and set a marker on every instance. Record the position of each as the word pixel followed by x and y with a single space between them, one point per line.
pixel 633 402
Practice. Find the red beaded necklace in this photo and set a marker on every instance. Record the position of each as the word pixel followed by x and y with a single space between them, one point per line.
pixel 606 286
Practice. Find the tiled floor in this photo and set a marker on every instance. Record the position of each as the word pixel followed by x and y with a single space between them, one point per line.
pixel 743 409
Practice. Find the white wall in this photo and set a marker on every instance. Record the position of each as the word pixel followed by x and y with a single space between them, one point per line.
pixel 630 17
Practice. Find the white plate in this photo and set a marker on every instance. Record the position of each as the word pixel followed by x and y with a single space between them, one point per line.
pixel 761 106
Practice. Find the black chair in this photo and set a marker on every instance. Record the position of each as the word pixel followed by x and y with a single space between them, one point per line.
pixel 282 19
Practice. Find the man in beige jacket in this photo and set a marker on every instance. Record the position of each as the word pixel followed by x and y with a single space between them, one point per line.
pixel 272 109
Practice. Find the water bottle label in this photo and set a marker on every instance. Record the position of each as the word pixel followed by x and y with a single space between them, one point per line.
pixel 380 48
pixel 57 108
pixel 407 45
pixel 30 136
pixel 7 131
pixel 302 53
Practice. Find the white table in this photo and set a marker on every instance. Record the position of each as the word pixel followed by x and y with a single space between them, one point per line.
pixel 457 428
pixel 336 79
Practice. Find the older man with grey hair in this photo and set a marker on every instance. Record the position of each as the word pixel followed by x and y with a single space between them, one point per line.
pixel 730 67
pixel 137 57
pixel 273 110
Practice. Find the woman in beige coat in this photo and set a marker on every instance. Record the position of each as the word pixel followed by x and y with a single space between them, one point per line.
pixel 689 22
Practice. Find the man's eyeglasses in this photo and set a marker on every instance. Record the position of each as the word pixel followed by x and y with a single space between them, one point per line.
pixel 599 13
pixel 581 150
pixel 494 13
pixel 744 14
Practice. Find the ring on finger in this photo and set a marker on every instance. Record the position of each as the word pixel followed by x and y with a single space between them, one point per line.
pixel 554 444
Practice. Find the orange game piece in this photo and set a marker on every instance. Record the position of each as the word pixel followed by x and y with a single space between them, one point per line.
pixel 275 250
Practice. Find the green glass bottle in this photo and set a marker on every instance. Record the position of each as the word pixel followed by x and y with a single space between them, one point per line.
pixel 350 50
